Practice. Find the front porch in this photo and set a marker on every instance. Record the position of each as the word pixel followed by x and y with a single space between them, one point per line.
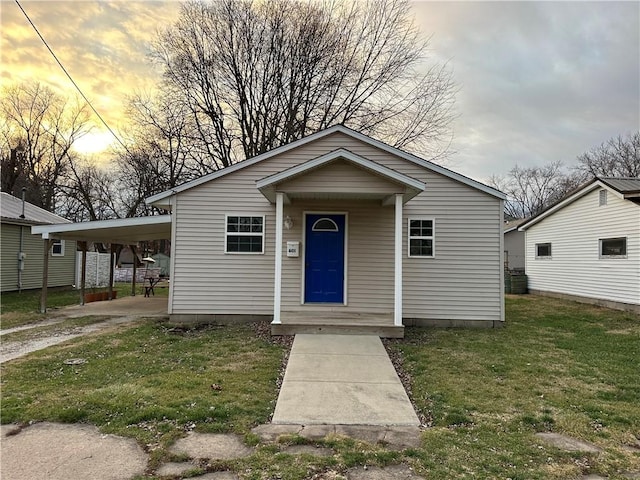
pixel 346 213
pixel 335 322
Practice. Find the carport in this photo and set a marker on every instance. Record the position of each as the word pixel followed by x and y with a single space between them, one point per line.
pixel 121 231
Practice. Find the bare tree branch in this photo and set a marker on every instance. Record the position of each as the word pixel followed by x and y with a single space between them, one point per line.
pixel 256 75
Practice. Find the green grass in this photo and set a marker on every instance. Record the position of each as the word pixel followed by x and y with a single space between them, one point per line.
pixel 148 381
pixel 557 366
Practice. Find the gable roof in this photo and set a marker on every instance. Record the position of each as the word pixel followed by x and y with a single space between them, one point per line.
pixel 318 135
pixel 11 211
pixel 266 185
pixel 625 188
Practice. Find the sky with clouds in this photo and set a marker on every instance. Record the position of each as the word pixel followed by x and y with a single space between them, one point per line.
pixel 539 81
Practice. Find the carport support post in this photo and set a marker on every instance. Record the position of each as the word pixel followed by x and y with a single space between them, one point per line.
pixel 83 271
pixel 397 309
pixel 278 267
pixel 45 274
pixel 135 264
pixel 112 265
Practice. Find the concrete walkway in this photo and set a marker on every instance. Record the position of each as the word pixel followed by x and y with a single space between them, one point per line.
pixel 342 380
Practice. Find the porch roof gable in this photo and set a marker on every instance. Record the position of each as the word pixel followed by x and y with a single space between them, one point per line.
pixel 268 185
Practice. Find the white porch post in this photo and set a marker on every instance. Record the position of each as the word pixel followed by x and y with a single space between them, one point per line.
pixel 397 313
pixel 277 291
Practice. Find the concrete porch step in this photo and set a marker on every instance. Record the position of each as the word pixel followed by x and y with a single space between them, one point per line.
pixel 385 331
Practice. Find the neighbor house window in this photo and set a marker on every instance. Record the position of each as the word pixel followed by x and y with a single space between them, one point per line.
pixel 57 249
pixel 543 250
pixel 244 234
pixel 602 198
pixel 421 237
pixel 613 247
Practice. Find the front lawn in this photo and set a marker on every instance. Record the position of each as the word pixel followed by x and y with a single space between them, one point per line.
pixel 557 366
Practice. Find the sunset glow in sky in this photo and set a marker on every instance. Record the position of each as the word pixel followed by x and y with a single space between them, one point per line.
pixel 539 81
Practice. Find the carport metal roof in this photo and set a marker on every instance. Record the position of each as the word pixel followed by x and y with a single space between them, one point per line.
pixel 122 231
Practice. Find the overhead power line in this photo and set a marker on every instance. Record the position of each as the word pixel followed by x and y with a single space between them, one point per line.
pixel 71 79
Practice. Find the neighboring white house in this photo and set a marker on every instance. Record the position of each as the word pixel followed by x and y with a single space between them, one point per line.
pixel 587 246
pixel 332 231
pixel 514 245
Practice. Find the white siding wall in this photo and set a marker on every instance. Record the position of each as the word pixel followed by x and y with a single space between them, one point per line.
pixel 462 282
pixel 575 267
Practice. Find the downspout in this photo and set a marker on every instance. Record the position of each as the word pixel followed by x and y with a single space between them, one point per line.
pixel 20 250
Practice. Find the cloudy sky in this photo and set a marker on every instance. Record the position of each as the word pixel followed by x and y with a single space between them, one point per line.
pixel 539 81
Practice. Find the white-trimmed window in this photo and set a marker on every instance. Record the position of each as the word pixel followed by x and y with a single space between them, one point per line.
pixel 421 237
pixel 244 234
pixel 543 251
pixel 57 248
pixel 613 247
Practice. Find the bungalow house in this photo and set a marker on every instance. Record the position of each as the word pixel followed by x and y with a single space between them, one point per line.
pixel 21 261
pixel 587 246
pixel 336 232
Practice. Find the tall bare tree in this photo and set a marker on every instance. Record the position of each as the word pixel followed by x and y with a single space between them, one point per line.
pixel 39 128
pixel 531 189
pixel 617 157
pixel 90 192
pixel 160 151
pixel 258 74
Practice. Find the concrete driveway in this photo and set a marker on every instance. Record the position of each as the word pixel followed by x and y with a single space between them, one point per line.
pixel 126 306
pixel 120 311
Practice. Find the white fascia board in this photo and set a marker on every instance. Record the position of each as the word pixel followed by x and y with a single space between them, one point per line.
pixel 346 155
pixel 47 230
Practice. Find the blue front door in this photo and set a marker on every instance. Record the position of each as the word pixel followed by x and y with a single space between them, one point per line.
pixel 324 259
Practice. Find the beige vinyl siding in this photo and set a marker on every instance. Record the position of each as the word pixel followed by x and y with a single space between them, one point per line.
pixel 61 268
pixel 341 177
pixel 461 282
pixel 575 267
